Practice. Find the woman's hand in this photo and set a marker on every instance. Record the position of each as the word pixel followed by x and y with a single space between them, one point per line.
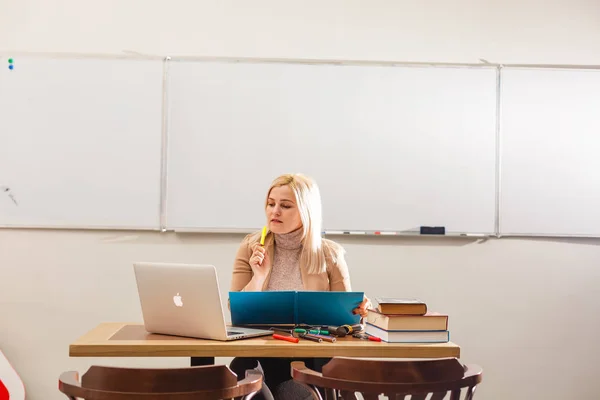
pixel 363 307
pixel 260 263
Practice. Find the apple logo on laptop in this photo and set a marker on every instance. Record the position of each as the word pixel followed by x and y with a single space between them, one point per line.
pixel 177 300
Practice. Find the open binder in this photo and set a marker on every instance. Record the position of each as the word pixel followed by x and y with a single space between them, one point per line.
pixel 294 308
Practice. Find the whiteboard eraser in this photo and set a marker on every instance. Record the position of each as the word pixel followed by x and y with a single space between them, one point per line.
pixel 433 230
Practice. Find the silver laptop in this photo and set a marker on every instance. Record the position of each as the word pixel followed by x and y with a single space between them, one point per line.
pixel 184 300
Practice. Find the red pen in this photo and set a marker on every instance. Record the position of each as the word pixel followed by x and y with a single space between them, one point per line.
pixel 364 336
pixel 288 338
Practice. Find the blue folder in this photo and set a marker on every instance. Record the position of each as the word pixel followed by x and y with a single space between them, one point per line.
pixel 294 308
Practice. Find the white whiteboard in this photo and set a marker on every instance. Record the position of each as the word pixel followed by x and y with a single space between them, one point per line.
pixel 80 143
pixel 550 144
pixel 392 148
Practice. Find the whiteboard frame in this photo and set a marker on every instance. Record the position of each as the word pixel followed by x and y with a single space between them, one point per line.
pixel 162 227
pixel 498 148
pixel 128 55
pixel 481 65
pixel 164 147
pixel 498 234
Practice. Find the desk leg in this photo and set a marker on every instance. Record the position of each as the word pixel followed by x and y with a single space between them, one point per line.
pixel 197 361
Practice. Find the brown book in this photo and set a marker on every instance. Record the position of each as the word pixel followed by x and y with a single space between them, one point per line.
pixel 403 306
pixel 432 321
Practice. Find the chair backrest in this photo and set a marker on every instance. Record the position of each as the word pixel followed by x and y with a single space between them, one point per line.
pixel 344 377
pixel 211 382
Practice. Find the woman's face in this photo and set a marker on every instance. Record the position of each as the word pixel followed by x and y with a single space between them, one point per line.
pixel 282 211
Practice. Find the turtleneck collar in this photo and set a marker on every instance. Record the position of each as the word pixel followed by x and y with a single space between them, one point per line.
pixel 291 240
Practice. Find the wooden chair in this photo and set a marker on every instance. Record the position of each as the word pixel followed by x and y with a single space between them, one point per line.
pixel 343 377
pixel 214 382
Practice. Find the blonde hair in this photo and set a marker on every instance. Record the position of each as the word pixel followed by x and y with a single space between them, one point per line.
pixel 308 199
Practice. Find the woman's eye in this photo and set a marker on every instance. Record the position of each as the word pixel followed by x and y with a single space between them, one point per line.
pixel 285 206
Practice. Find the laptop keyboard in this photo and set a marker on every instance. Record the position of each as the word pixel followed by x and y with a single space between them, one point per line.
pixel 231 333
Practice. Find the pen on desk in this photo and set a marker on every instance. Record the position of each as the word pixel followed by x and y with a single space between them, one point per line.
pixel 310 337
pixel 288 338
pixel 364 336
pixel 312 331
pixel 337 331
pixel 327 338
pixel 353 328
pixel 280 329
pixel 263 235
pixel 344 330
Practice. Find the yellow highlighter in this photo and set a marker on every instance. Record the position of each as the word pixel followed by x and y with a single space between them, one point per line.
pixel 262 237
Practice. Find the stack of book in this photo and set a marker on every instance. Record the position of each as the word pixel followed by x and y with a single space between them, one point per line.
pixel 399 320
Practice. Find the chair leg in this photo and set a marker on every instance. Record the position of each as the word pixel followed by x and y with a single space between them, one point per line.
pixel 348 395
pixel 470 393
pixel 330 394
pixel 315 392
pixel 249 396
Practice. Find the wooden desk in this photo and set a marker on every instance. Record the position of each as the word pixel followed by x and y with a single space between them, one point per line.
pixel 131 340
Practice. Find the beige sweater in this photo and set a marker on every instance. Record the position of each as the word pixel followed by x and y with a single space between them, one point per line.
pixel 285 273
pixel 336 278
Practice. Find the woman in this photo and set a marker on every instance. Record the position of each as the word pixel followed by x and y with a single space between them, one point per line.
pixel 294 257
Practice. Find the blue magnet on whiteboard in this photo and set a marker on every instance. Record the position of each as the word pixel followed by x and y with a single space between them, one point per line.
pixel 11 67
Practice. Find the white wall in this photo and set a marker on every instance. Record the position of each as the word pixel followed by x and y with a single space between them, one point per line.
pixel 526 310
